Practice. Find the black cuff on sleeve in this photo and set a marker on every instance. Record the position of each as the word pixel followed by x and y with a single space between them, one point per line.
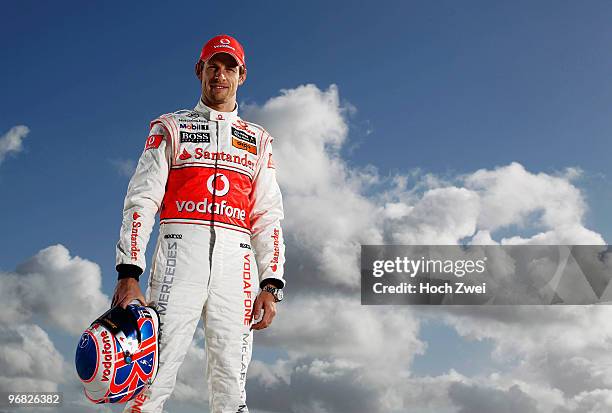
pixel 274 281
pixel 128 271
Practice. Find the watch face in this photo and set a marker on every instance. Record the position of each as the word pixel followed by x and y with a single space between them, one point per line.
pixel 279 295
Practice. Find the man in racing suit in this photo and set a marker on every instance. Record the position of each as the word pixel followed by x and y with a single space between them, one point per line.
pixel 211 177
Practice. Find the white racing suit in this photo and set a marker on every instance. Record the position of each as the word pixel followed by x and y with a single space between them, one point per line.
pixel 211 177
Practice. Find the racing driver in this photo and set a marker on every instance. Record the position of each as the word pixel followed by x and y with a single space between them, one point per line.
pixel 211 177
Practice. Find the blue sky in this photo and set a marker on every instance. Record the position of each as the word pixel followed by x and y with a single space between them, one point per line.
pixel 445 87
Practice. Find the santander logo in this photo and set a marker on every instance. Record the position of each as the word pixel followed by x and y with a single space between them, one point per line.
pixel 274 261
pixel 134 250
pixel 184 155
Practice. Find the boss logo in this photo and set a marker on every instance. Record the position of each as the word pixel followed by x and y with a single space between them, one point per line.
pixel 197 137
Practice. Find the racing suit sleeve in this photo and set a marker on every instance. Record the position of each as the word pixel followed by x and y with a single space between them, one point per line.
pixel 266 214
pixel 142 202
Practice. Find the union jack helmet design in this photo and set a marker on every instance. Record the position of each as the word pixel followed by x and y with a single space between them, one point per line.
pixel 117 356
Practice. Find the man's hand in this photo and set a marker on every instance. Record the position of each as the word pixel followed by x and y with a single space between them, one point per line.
pixel 264 302
pixel 126 291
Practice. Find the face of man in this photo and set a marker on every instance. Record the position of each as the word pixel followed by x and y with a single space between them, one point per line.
pixel 221 77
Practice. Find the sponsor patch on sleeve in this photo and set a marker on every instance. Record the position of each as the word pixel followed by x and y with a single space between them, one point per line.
pixel 153 141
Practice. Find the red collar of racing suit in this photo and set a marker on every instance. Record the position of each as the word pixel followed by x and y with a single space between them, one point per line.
pixel 212 114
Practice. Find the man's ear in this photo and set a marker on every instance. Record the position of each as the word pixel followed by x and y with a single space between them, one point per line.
pixel 199 69
pixel 243 76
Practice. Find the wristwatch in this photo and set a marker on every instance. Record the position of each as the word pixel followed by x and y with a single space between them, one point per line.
pixel 276 292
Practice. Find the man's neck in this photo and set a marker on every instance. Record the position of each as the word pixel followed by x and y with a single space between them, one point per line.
pixel 222 107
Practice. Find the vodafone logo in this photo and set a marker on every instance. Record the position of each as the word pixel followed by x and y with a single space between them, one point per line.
pixel 204 207
pixel 138 402
pixel 106 356
pixel 246 289
pixel 211 185
pixel 217 184
pixel 153 141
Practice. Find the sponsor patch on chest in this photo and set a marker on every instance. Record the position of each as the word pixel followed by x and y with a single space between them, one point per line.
pixel 195 137
pixel 193 131
pixel 243 140
pixel 194 126
pixel 242 135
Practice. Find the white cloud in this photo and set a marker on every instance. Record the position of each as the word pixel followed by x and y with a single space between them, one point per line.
pixel 323 385
pixel 596 401
pixel 341 328
pixel 475 399
pixel 11 142
pixel 52 285
pixel 28 360
pixel 355 206
pixel 124 167
pixel 565 348
pixel 311 128
pixel 510 195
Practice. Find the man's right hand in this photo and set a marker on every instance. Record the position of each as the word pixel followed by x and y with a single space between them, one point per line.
pixel 126 291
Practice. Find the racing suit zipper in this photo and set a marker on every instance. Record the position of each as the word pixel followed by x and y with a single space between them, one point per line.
pixel 213 234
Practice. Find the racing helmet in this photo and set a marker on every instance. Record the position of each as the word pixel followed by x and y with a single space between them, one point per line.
pixel 117 356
